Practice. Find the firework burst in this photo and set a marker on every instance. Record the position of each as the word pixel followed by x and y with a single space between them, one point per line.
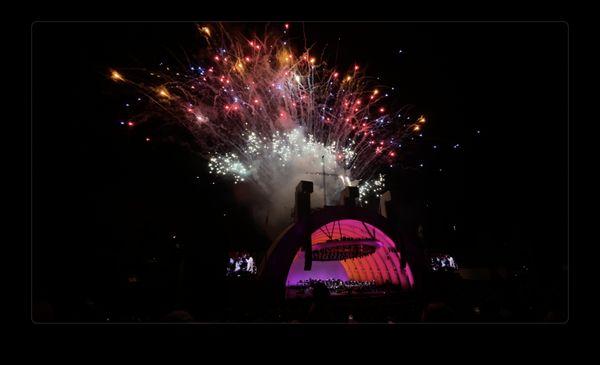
pixel 263 113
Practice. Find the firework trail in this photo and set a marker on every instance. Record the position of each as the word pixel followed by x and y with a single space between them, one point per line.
pixel 264 114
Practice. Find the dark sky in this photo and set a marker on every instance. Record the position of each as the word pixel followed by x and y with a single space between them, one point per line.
pixel 102 194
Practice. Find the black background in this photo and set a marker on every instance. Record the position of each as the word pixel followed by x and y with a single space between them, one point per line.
pixel 104 199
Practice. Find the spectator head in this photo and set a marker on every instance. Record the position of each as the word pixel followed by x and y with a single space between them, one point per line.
pixel 437 312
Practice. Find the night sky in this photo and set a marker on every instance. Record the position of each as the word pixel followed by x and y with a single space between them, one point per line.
pixel 105 200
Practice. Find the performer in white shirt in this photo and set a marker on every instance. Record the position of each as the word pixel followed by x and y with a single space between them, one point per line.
pixel 250 264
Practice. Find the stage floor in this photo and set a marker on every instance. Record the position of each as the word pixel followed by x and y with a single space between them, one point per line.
pixel 292 293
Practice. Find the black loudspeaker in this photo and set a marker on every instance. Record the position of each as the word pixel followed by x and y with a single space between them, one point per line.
pixel 302 213
pixel 349 196
pixel 302 206
pixel 307 253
